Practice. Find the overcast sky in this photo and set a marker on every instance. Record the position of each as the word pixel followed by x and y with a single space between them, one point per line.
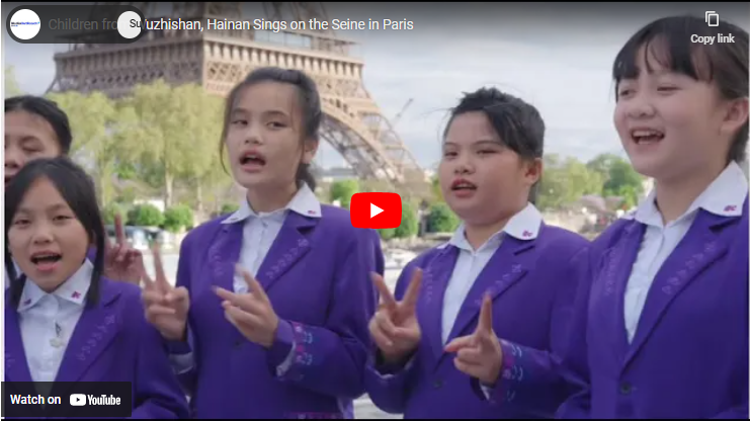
pixel 556 56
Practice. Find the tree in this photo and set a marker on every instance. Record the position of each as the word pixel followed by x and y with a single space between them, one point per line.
pixel 619 177
pixel 409 222
pixel 12 88
pixel 145 215
pixel 178 217
pixel 436 191
pixel 176 136
pixel 565 181
pixel 441 219
pixel 342 190
pixel 97 125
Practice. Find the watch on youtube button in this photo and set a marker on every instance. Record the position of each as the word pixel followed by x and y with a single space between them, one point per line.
pixel 375 210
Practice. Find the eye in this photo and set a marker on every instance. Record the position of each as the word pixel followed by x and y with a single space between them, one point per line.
pixel 276 125
pixel 667 88
pixel 21 222
pixel 61 218
pixel 485 151
pixel 31 150
pixel 239 122
pixel 450 154
pixel 625 92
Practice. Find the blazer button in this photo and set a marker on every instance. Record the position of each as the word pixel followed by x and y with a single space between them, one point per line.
pixel 437 384
pixel 625 388
pixel 237 344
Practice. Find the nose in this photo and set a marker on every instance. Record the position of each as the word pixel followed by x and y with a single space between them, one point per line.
pixel 253 135
pixel 14 159
pixel 640 106
pixel 463 164
pixel 42 234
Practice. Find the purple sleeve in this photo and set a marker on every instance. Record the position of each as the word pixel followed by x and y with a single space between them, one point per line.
pixel 533 378
pixel 330 359
pixel 388 386
pixel 157 393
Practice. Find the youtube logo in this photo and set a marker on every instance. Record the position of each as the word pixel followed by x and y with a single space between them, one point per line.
pixel 375 210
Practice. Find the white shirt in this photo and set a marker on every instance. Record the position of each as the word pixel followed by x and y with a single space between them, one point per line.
pixel 47 321
pixel 524 225
pixel 258 234
pixel 724 196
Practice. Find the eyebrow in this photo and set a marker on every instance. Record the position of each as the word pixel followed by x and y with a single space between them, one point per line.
pixel 478 143
pixel 56 207
pixel 240 110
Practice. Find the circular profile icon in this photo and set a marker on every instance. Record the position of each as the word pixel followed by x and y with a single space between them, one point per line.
pixel 129 25
pixel 25 24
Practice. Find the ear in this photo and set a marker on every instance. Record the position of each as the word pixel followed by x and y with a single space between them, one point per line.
pixel 533 170
pixel 736 116
pixel 309 149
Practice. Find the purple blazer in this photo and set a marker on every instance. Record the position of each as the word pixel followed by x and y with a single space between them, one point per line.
pixel 689 356
pixel 533 290
pixel 111 342
pixel 317 276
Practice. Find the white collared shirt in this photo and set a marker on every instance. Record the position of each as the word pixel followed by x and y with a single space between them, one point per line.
pixel 525 225
pixel 724 196
pixel 47 321
pixel 258 234
pixel 260 230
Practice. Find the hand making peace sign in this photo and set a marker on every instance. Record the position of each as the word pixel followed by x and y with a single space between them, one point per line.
pixel 251 313
pixel 394 327
pixel 479 355
pixel 166 306
pixel 122 262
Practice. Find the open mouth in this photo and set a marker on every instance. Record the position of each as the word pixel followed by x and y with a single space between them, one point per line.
pixel 463 185
pixel 252 158
pixel 45 259
pixel 646 136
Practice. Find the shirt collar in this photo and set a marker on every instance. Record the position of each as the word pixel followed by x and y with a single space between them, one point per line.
pixel 525 225
pixel 723 197
pixel 304 203
pixel 73 290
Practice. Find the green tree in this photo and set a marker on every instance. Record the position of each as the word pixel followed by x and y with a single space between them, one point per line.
pixel 145 215
pixel 97 126
pixel 12 88
pixel 229 208
pixel 409 222
pixel 178 217
pixel 176 136
pixel 441 219
pixel 623 180
pixel 110 210
pixel 387 234
pixel 565 181
pixel 436 191
pixel 342 190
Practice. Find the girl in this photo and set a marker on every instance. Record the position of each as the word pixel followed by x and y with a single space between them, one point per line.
pixel 503 252
pixel 287 338
pixel 36 127
pixel 64 322
pixel 661 331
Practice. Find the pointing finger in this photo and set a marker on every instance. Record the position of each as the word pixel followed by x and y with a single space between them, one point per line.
pixel 459 343
pixel 484 326
pixel 119 230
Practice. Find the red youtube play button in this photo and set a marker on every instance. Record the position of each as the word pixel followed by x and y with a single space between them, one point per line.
pixel 375 210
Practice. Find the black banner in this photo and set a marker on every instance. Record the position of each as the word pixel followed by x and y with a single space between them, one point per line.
pixel 67 400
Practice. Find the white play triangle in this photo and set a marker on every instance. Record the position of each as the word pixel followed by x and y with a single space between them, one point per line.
pixel 375 210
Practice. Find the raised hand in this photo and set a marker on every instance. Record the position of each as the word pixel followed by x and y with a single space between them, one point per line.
pixel 122 262
pixel 166 306
pixel 251 313
pixel 394 327
pixel 479 355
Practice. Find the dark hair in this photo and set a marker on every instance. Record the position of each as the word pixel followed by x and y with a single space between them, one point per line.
pixel 77 188
pixel 47 110
pixel 723 63
pixel 310 107
pixel 518 123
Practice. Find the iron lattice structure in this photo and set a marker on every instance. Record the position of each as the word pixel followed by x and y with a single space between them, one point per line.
pixel 218 59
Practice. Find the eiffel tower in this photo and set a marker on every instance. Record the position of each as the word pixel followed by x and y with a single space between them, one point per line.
pixel 218 59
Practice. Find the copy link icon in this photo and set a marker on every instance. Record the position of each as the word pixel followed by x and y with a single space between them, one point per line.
pixel 78 400
pixel 712 18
